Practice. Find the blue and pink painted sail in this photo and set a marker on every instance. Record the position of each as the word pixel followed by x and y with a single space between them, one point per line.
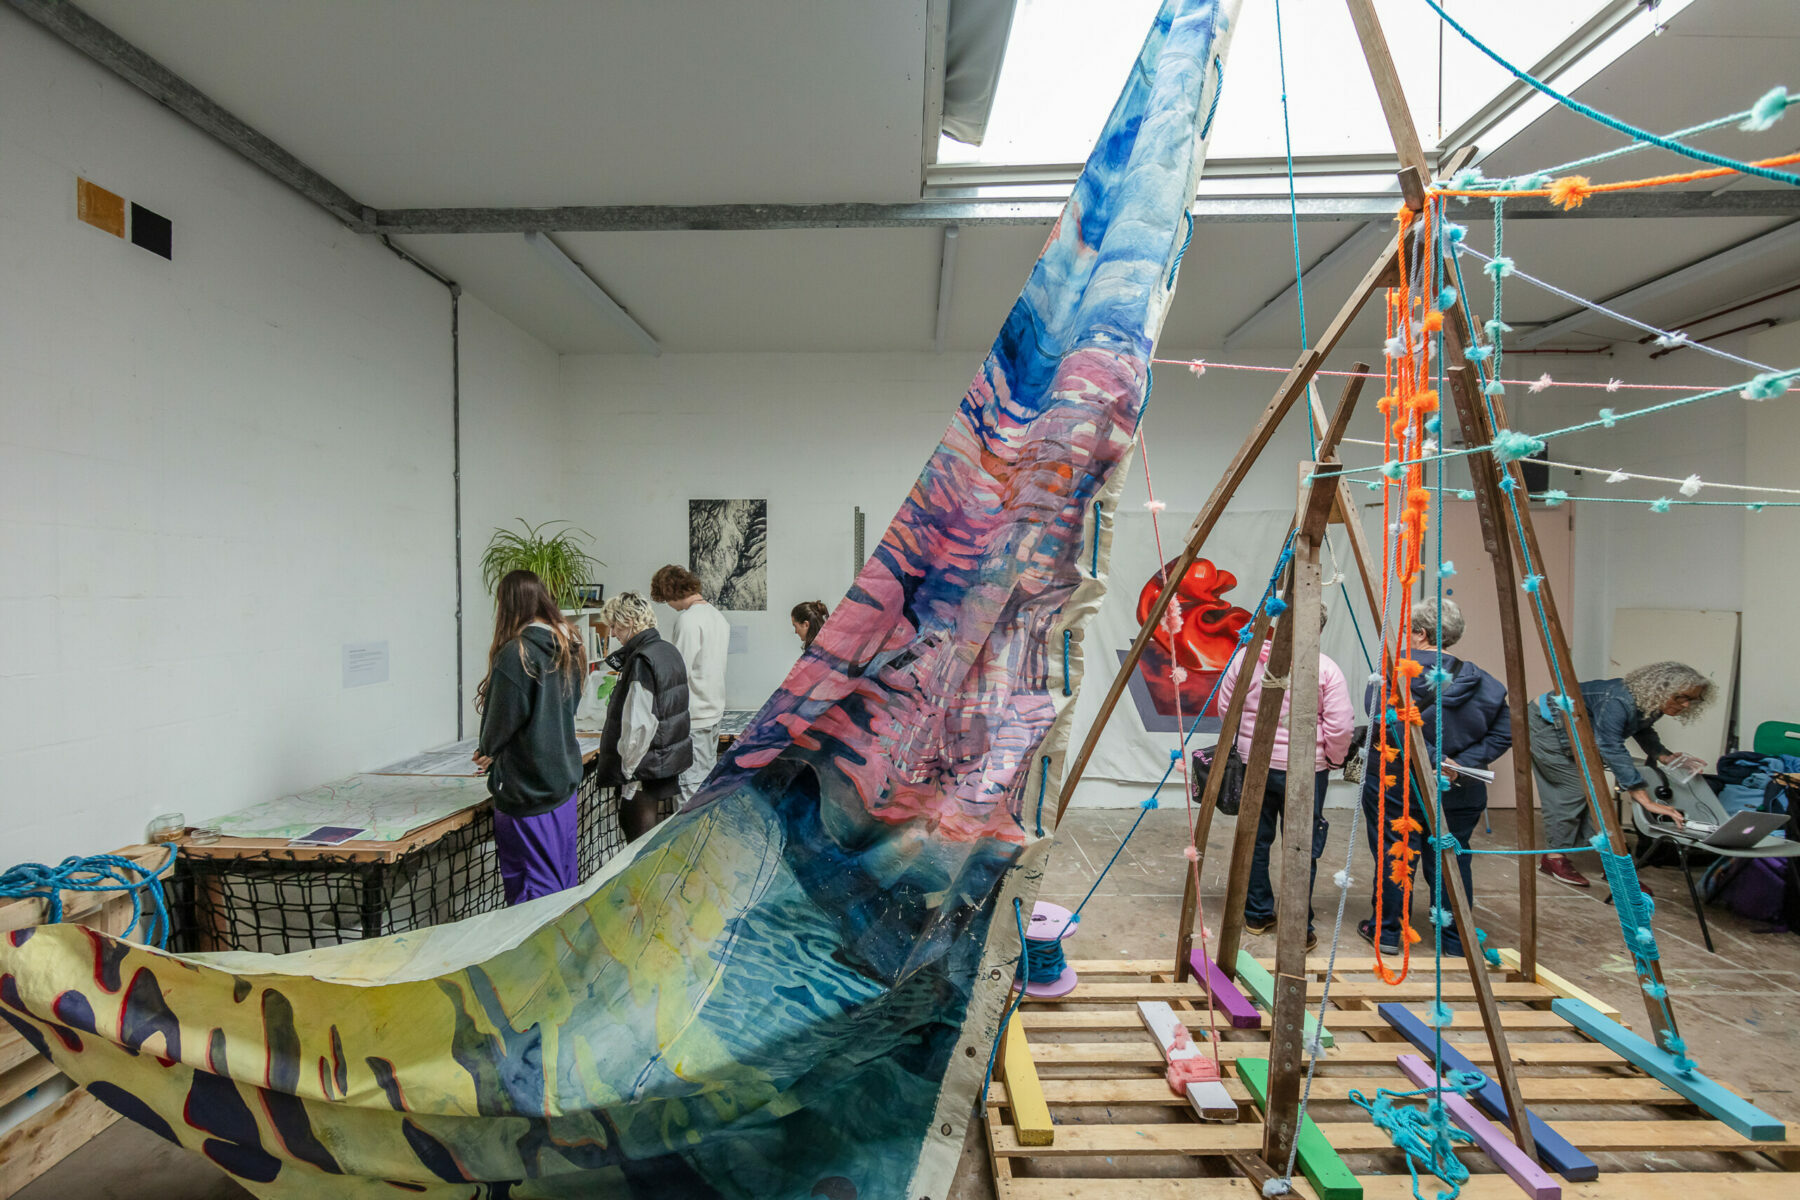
pixel 791 988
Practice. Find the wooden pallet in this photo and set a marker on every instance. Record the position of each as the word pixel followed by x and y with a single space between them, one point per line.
pixel 44 1139
pixel 1119 1133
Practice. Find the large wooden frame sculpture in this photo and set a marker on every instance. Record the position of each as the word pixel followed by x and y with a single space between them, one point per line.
pixel 1293 664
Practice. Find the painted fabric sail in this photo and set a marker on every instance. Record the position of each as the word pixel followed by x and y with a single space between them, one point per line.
pixel 790 989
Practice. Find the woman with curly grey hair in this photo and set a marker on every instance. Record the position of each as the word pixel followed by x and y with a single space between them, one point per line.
pixel 1620 709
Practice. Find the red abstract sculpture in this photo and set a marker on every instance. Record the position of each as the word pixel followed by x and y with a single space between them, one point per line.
pixel 1195 639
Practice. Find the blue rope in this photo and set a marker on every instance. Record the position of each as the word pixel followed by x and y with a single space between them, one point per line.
pixel 1621 872
pixel 1043 786
pixel 1018 996
pixel 1068 635
pixel 1043 959
pixel 1095 571
pixel 1218 90
pixel 1594 114
pixel 1186 240
pixel 1293 199
pixel 1425 1135
pixel 93 873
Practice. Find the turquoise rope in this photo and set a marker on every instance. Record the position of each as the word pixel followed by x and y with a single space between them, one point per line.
pixel 94 873
pixel 1023 965
pixel 1611 122
pixel 1095 571
pixel 1625 871
pixel 1043 786
pixel 1186 240
pixel 1218 90
pixel 1425 1135
pixel 1068 636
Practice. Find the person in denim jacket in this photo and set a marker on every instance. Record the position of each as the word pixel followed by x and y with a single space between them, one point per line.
pixel 1620 709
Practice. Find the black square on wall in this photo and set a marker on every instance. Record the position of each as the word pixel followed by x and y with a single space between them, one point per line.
pixel 152 231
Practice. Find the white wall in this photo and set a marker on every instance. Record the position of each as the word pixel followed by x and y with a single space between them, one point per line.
pixel 1771 569
pixel 1626 555
pixel 215 472
pixel 514 460
pixel 817 435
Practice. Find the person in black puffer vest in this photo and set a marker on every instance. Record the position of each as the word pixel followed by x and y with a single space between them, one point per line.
pixel 645 743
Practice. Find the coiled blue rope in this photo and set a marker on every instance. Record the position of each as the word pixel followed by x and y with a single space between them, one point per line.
pixel 94 873
pixel 1424 1135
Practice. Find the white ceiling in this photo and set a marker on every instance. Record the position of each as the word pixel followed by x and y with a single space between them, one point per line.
pixel 467 102
pixel 458 103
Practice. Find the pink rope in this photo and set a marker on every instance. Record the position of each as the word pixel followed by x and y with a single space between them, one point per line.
pixel 1612 386
pixel 1176 673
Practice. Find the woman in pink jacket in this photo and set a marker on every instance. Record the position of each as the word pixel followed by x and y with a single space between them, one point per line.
pixel 1337 722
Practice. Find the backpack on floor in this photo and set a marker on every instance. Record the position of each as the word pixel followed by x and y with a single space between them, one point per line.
pixel 1758 889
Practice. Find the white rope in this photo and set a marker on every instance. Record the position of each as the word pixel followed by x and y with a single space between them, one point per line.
pixel 1664 336
pixel 1620 476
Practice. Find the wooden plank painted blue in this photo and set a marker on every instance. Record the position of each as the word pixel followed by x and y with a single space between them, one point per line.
pixel 1556 1151
pixel 1716 1101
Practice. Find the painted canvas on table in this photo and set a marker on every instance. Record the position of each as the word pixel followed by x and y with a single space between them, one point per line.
pixel 791 988
pixel 728 548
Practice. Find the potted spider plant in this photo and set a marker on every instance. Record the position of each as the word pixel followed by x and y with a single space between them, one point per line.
pixel 557 557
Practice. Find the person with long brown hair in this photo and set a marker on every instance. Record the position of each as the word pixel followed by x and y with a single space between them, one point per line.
pixel 808 617
pixel 527 745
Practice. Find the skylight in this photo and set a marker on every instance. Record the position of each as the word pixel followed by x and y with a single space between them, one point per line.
pixel 1064 67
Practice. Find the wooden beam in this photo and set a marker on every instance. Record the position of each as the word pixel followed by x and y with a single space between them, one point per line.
pixel 1552 1146
pixel 1294 906
pixel 1590 1090
pixel 1025 1095
pixel 1715 1101
pixel 1490 1137
pixel 38 1143
pixel 1224 994
pixel 1425 776
pixel 1270 696
pixel 1556 983
pixel 1255 979
pixel 1313 1154
pixel 1209 802
pixel 1346 1054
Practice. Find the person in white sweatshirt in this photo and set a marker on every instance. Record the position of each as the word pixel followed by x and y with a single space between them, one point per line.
pixel 703 636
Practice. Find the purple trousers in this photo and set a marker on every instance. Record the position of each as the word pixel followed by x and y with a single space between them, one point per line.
pixel 537 854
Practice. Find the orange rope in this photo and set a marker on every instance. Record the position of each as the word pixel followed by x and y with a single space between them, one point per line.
pixel 1572 191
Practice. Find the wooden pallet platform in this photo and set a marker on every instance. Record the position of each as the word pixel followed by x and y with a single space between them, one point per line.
pixel 1120 1133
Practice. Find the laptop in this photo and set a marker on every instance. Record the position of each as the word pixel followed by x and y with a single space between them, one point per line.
pixel 1744 830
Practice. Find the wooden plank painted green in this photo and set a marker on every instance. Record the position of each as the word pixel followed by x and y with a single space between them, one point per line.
pixel 1318 1161
pixel 1716 1101
pixel 1254 978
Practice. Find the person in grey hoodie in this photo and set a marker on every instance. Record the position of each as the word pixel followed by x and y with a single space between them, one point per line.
pixel 1477 729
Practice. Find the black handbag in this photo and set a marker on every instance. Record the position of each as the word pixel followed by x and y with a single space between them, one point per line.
pixel 1231 788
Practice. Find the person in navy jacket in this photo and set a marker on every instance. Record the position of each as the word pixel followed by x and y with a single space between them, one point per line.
pixel 1477 730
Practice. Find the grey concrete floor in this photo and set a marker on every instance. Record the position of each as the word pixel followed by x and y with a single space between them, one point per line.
pixel 1740 1008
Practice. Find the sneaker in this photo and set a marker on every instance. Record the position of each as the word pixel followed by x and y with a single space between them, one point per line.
pixel 1562 870
pixel 1258 925
pixel 1366 929
pixel 1312 941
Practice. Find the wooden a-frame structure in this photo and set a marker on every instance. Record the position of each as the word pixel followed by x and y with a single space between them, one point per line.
pixel 1511 543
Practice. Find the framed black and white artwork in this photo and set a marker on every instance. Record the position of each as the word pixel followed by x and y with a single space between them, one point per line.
pixel 728 550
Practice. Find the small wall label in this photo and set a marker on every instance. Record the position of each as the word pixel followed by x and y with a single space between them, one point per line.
pixel 365 663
